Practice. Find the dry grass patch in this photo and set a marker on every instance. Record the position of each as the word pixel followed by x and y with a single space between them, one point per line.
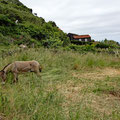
pixel 74 92
pixel 2 117
pixel 104 104
pixel 98 74
pixel 70 91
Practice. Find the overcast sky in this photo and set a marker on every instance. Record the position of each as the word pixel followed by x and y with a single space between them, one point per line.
pixel 99 18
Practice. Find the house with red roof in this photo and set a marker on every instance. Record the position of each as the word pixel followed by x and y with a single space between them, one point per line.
pixel 82 38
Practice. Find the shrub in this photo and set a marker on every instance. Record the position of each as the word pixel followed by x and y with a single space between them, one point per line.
pixel 53 43
pixel 5 40
pixel 35 33
pixel 107 44
pixel 4 20
pixel 82 48
pixel 102 45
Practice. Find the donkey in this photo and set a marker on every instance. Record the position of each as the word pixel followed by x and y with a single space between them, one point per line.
pixel 20 67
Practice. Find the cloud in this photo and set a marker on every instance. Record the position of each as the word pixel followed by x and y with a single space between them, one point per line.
pixel 99 18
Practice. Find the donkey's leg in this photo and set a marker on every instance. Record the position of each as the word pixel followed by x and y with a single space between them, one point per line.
pixel 15 77
pixel 4 78
pixel 38 73
pixel 15 73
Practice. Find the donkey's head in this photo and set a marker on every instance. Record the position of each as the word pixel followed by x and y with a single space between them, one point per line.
pixel 3 75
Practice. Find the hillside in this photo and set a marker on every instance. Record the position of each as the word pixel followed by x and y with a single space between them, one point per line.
pixel 29 28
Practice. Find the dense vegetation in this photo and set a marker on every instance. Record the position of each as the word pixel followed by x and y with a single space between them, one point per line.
pixel 33 30
pixel 29 29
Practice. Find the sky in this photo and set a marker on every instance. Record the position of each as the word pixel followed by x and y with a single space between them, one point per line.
pixel 98 18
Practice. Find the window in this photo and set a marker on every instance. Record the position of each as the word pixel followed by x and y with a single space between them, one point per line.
pixel 86 40
pixel 79 39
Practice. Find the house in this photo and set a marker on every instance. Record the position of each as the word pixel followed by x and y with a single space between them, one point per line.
pixel 82 38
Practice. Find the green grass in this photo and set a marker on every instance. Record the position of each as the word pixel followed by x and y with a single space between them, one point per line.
pixel 73 86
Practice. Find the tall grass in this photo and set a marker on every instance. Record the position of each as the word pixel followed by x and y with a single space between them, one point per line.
pixel 63 92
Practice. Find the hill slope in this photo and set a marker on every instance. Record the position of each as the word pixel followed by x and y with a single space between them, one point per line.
pixel 29 29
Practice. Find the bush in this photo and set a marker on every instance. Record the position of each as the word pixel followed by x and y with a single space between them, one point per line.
pixel 35 33
pixel 52 43
pixel 107 44
pixel 5 21
pixel 5 40
pixel 82 48
pixel 102 45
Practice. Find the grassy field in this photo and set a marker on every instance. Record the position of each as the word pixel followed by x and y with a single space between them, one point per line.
pixel 73 86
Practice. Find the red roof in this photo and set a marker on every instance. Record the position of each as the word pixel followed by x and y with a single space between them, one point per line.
pixel 81 36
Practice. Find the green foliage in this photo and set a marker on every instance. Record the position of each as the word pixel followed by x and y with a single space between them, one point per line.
pixel 77 42
pixel 5 40
pixel 107 44
pixel 5 21
pixel 52 43
pixel 102 45
pixel 82 48
pixel 32 29
pixel 52 23
pixel 28 24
